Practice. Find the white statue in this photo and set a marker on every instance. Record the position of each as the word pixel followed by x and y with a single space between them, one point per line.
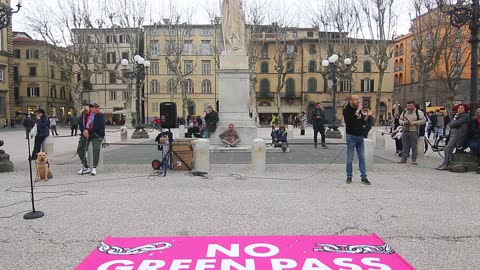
pixel 233 25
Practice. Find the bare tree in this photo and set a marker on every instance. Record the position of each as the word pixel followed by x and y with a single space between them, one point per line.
pixel 455 57
pixel 380 21
pixel 429 41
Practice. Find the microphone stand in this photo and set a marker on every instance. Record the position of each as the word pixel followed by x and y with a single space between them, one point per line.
pixel 34 214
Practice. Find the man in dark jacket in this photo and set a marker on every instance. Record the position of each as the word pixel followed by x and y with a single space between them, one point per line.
pixel 211 120
pixel 43 129
pixel 318 121
pixel 459 128
pixel 354 123
pixel 92 128
pixel 28 124
pixel 74 121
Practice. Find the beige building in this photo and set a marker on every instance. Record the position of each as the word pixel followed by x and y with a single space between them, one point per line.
pixel 7 102
pixel 39 77
pixel 106 88
pixel 199 56
pixel 304 85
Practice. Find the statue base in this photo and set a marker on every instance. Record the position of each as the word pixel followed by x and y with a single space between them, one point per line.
pixel 5 164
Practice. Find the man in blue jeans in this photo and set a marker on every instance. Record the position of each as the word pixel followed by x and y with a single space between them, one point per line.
pixel 354 123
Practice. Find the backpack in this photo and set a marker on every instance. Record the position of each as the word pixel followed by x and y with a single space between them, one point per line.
pixel 421 129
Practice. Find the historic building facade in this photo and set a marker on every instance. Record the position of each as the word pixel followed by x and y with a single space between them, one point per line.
pixel 7 100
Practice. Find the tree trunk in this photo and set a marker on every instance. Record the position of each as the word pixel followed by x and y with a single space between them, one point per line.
pixel 279 109
pixel 77 100
pixel 423 89
pixel 253 97
pixel 378 98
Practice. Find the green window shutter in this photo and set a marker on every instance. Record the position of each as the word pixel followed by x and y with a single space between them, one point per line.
pixel 362 86
pixel 372 85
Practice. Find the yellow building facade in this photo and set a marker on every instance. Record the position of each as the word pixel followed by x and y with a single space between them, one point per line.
pixel 7 103
pixel 39 78
pixel 304 85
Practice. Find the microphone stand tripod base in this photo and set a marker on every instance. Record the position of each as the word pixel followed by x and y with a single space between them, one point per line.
pixel 33 215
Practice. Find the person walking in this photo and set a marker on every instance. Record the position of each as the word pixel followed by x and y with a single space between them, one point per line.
pixel 459 128
pixel 439 128
pixel 303 123
pixel 474 142
pixel 411 120
pixel 43 130
pixel 74 121
pixel 53 125
pixel 92 128
pixel 318 121
pixel 28 124
pixel 354 124
pixel 211 120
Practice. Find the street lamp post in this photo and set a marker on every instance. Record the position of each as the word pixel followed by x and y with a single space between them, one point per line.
pixel 459 17
pixel 331 66
pixel 6 13
pixel 138 74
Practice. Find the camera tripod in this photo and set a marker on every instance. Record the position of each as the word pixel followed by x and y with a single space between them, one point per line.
pixel 167 159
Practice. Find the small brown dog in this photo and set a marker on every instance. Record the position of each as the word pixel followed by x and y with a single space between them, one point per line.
pixel 43 170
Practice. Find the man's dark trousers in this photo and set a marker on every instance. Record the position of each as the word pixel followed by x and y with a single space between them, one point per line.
pixel 316 130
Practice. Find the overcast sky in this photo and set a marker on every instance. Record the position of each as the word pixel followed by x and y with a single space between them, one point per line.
pixel 198 9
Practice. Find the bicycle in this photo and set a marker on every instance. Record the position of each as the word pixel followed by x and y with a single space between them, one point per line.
pixel 438 145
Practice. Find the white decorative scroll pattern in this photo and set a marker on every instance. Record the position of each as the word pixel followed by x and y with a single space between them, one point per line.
pixel 114 250
pixel 355 249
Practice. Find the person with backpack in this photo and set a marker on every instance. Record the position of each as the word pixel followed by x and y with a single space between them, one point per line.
pixel 318 123
pixel 411 119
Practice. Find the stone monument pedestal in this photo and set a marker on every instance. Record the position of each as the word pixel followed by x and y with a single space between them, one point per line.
pixel 234 85
pixel 5 164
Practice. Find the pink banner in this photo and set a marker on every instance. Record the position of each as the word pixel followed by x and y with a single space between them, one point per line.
pixel 245 253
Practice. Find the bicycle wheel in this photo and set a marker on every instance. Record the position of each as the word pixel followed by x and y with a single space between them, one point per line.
pixel 440 147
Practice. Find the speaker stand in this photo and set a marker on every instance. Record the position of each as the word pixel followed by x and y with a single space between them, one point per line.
pixel 140 133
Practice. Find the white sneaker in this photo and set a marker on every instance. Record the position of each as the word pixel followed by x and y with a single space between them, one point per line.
pixel 94 171
pixel 84 171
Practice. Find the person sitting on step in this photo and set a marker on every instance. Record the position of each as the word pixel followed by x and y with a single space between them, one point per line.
pixel 279 138
pixel 230 137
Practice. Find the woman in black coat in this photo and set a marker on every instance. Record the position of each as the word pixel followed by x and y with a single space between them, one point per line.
pixel 43 129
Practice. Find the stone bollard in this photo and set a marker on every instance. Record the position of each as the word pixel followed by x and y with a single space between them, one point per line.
pixel 259 156
pixel 181 132
pixel 123 134
pixel 202 155
pixel 5 164
pixel 90 156
pixel 421 147
pixel 290 132
pixel 369 153
pixel 47 145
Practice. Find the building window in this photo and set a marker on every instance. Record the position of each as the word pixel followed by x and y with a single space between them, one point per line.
pixel 113 77
pixel 206 48
pixel 154 68
pixel 290 88
pixel 367 85
pixel 412 75
pixel 2 71
pixel 171 71
pixel 154 48
pixel 346 86
pixel 309 34
pixel 264 67
pixel 16 77
pixel 33 71
pixel 53 92
pixel 413 61
pixel 367 67
pixel 155 107
pixel 206 68
pixel 33 91
pixel 188 86
pixel 264 52
pixel 188 67
pixel 312 66
pixel 111 58
pixel 205 33
pixel 16 53
pixel 264 88
pixel 170 48
pixel 111 39
pixel 155 86
pixel 125 55
pixel 291 49
pixel 312 85
pixel 113 95
pixel 206 87
pixel 290 67
pixel 32 54
pixel 124 39
pixel 52 72
pixel 188 47
pixel 172 86
pixel 312 49
pixel 366 103
pixel 62 93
